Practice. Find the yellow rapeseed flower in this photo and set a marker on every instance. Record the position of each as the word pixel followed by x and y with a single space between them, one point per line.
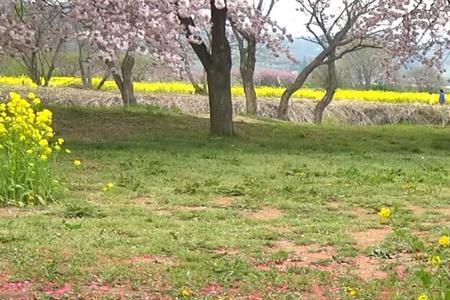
pixel 43 157
pixel 444 241
pixel 30 151
pixel 185 292
pixel 31 96
pixel 108 186
pixel 435 260
pixel 60 141
pixel 77 162
pixel 385 213
pixel 58 148
pixel 423 297
pixel 43 143
pixel 351 292
pixel 36 101
pixel 68 151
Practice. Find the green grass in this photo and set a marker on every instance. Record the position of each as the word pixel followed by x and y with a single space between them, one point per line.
pixel 189 210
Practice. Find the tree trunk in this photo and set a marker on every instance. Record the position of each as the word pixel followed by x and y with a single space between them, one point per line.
pixel 331 90
pixel 219 76
pixel 283 108
pixel 33 69
pixel 217 64
pixel 52 66
pixel 127 76
pixel 247 69
pixel 124 80
pixel 198 90
pixel 85 66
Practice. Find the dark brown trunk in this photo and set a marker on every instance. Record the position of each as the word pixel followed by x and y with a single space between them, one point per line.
pixel 331 90
pixel 102 82
pixel 219 76
pixel 198 90
pixel 217 64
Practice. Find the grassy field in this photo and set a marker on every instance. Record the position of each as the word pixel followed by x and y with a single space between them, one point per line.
pixel 176 87
pixel 281 211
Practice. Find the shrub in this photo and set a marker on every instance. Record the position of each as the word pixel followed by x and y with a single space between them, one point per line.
pixel 27 144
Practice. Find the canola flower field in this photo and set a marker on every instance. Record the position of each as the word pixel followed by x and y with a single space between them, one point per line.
pixel 262 91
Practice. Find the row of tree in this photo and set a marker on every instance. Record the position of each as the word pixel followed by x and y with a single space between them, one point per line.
pixel 35 31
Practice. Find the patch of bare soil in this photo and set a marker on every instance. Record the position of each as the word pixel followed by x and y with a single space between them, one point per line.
pixel 370 237
pixel 301 256
pixel 18 289
pixel 265 214
pixel 143 201
pixel 419 210
pixel 223 201
pixel 368 268
pixel 226 251
pixel 148 259
pixel 17 212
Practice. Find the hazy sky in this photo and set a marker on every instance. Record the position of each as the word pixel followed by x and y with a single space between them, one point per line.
pixel 286 14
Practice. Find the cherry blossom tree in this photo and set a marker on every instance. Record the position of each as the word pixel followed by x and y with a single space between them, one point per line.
pixel 120 29
pixel 254 26
pixel 34 32
pixel 216 60
pixel 338 30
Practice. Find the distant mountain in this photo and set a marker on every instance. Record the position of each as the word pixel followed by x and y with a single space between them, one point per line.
pixel 304 50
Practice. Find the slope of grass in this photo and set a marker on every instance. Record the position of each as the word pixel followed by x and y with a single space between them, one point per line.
pixel 281 211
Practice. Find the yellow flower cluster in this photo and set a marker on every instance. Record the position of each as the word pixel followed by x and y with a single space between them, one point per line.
pixel 261 91
pixel 26 144
pixel 22 123
pixel 385 213
pixel 444 241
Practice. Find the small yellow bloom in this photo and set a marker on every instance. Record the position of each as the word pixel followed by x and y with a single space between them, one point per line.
pixel 185 292
pixel 60 141
pixel 68 151
pixel 77 163
pixel 58 148
pixel 423 297
pixel 36 101
pixel 43 157
pixel 351 292
pixel 43 143
pixel 31 96
pixel 385 213
pixel 444 241
pixel 435 260
pixel 30 151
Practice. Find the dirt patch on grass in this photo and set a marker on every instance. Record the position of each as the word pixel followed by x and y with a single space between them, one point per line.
pixel 143 201
pixel 148 259
pixel 265 214
pixel 370 237
pixel 419 210
pixel 368 268
pixel 226 251
pixel 223 201
pixel 17 212
pixel 300 256
pixel 415 209
pixel 18 289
